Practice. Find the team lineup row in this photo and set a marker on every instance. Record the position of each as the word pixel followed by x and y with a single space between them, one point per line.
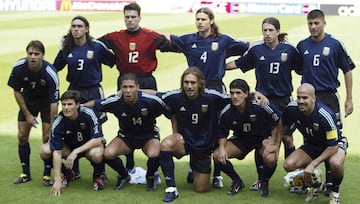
pixel 193 110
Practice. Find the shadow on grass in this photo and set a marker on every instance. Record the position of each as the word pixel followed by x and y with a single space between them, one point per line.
pixel 80 191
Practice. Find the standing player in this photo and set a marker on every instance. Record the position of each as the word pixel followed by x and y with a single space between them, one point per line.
pixel 75 133
pixel 84 56
pixel 208 49
pixel 195 110
pixel 251 124
pixel 135 51
pixel 36 89
pixel 323 56
pixel 273 61
pixel 317 123
pixel 137 113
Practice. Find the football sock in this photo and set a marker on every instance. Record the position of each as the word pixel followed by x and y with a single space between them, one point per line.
pixel 259 165
pixel 216 170
pixel 336 184
pixel 130 163
pixel 328 176
pixel 47 167
pixel 152 166
pixel 117 165
pixel 98 168
pixel 229 170
pixel 76 167
pixel 168 168
pixel 24 155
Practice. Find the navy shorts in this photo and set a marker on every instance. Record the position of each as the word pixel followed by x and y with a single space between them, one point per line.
pixel 313 151
pixel 138 141
pixel 44 114
pixel 245 146
pixel 331 100
pixel 200 161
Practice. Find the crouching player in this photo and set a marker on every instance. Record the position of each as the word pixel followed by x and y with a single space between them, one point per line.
pixel 317 124
pixel 75 133
pixel 252 124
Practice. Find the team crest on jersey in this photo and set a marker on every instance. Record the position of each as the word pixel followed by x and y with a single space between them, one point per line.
pixel 83 126
pixel 214 46
pixel 204 108
pixel 26 79
pixel 42 82
pixel 316 126
pixel 90 54
pixel 284 57
pixel 326 51
pixel 252 117
pixel 144 112
pixel 132 46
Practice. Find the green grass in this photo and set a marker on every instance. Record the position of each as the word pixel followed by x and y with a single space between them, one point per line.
pixel 17 29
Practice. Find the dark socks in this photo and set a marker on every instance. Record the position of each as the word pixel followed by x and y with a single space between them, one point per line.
pixel 168 168
pixel 152 165
pixel 130 163
pixel 229 170
pixel 24 155
pixel 117 165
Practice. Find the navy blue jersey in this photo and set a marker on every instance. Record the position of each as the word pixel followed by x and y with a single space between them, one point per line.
pixel 322 60
pixel 196 118
pixel 255 124
pixel 75 133
pixel 136 119
pixel 41 88
pixel 272 67
pixel 209 54
pixel 84 63
pixel 315 126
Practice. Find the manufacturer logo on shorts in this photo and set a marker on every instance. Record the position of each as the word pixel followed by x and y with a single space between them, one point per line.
pixel 326 51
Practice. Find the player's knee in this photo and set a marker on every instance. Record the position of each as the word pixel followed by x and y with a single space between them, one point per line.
pixel 289 165
pixel 45 152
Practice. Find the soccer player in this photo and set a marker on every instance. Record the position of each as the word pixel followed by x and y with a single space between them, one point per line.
pixel 322 57
pixel 195 109
pixel 75 133
pixel 251 124
pixel 135 51
pixel 208 49
pixel 36 89
pixel 136 112
pixel 317 123
pixel 273 61
pixel 83 56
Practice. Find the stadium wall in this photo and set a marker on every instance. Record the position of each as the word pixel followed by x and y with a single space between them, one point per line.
pixel 278 7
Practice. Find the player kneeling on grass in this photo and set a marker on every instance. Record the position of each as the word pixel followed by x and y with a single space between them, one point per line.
pixel 252 124
pixel 75 133
pixel 317 124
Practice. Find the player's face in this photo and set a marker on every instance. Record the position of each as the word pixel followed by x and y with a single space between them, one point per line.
pixel 129 90
pixel 132 20
pixel 191 86
pixel 70 108
pixel 316 27
pixel 305 101
pixel 238 97
pixel 270 33
pixel 78 29
pixel 203 22
pixel 35 58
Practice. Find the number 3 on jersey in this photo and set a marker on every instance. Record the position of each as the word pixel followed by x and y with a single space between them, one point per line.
pixel 133 57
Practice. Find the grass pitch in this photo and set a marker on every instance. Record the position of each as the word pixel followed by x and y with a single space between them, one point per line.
pixel 17 29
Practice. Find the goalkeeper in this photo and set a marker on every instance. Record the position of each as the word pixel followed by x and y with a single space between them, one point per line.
pixel 317 124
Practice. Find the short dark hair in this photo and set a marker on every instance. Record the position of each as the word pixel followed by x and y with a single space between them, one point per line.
pixel 71 94
pixel 240 84
pixel 132 6
pixel 37 44
pixel 128 76
pixel 316 13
